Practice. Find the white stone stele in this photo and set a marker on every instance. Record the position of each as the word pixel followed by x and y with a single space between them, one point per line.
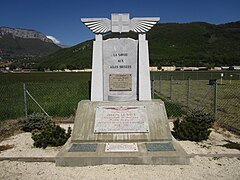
pixel 121 147
pixel 121 119
pixel 97 73
pixel 119 57
pixel 144 73
pixel 120 23
pixel 100 79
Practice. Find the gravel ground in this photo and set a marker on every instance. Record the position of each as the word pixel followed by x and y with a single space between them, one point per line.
pixel 199 168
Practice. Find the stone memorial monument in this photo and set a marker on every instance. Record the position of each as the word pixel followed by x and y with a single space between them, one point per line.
pixel 120 124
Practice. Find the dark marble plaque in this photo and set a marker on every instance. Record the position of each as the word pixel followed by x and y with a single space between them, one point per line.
pixel 83 148
pixel 159 147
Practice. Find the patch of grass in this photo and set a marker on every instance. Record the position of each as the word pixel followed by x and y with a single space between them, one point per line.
pixel 231 145
pixel 173 110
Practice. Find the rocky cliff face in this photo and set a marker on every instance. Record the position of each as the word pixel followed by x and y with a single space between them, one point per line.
pixel 23 33
pixel 23 47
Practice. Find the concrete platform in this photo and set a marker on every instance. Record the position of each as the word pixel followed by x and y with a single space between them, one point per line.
pixel 154 147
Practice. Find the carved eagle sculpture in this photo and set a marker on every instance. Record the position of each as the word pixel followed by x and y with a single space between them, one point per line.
pixel 120 23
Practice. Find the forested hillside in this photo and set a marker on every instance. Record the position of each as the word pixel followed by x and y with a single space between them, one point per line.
pixel 189 44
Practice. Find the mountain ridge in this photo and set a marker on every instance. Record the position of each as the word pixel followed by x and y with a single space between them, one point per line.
pixel 24 46
pixel 180 44
pixel 24 33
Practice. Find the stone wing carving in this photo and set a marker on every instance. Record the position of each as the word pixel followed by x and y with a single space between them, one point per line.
pixel 141 25
pixel 97 25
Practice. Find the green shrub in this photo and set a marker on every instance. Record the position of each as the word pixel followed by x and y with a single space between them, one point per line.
pixel 36 121
pixel 194 127
pixel 52 135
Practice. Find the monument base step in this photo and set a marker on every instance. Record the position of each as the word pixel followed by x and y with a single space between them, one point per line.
pixel 141 136
pixel 147 153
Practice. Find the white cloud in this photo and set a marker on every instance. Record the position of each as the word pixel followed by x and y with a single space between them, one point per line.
pixel 55 41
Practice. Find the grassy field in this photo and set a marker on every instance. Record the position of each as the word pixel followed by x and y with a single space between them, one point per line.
pixel 11 78
pixel 59 93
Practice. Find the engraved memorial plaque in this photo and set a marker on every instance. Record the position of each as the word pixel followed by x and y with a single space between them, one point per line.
pixel 120 82
pixel 83 148
pixel 121 119
pixel 159 147
pixel 121 147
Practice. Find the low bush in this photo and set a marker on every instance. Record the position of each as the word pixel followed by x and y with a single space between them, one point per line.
pixel 194 126
pixel 36 121
pixel 52 135
pixel 44 131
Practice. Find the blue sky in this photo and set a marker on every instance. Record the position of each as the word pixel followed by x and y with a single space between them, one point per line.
pixel 61 18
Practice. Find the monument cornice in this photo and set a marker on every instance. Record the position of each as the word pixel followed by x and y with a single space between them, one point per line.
pixel 120 23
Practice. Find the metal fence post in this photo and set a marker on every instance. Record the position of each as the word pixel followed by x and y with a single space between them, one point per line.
pixel 215 99
pixel 160 85
pixel 25 100
pixel 89 89
pixel 188 93
pixel 171 79
pixel 152 87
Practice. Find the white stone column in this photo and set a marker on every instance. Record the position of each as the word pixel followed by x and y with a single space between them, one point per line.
pixel 97 69
pixel 144 73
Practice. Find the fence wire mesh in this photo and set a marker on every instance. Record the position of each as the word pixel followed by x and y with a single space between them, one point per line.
pixel 57 98
pixel 193 94
pixel 11 101
pixel 182 93
pixel 228 104
pixel 58 94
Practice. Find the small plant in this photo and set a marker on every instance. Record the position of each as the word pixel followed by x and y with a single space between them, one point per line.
pixel 36 121
pixel 52 135
pixel 232 145
pixel 194 127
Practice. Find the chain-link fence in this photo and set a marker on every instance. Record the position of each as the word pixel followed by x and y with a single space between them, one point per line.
pixel 11 101
pixel 219 97
pixel 59 96
pixel 228 104
pixel 196 95
pixel 56 98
